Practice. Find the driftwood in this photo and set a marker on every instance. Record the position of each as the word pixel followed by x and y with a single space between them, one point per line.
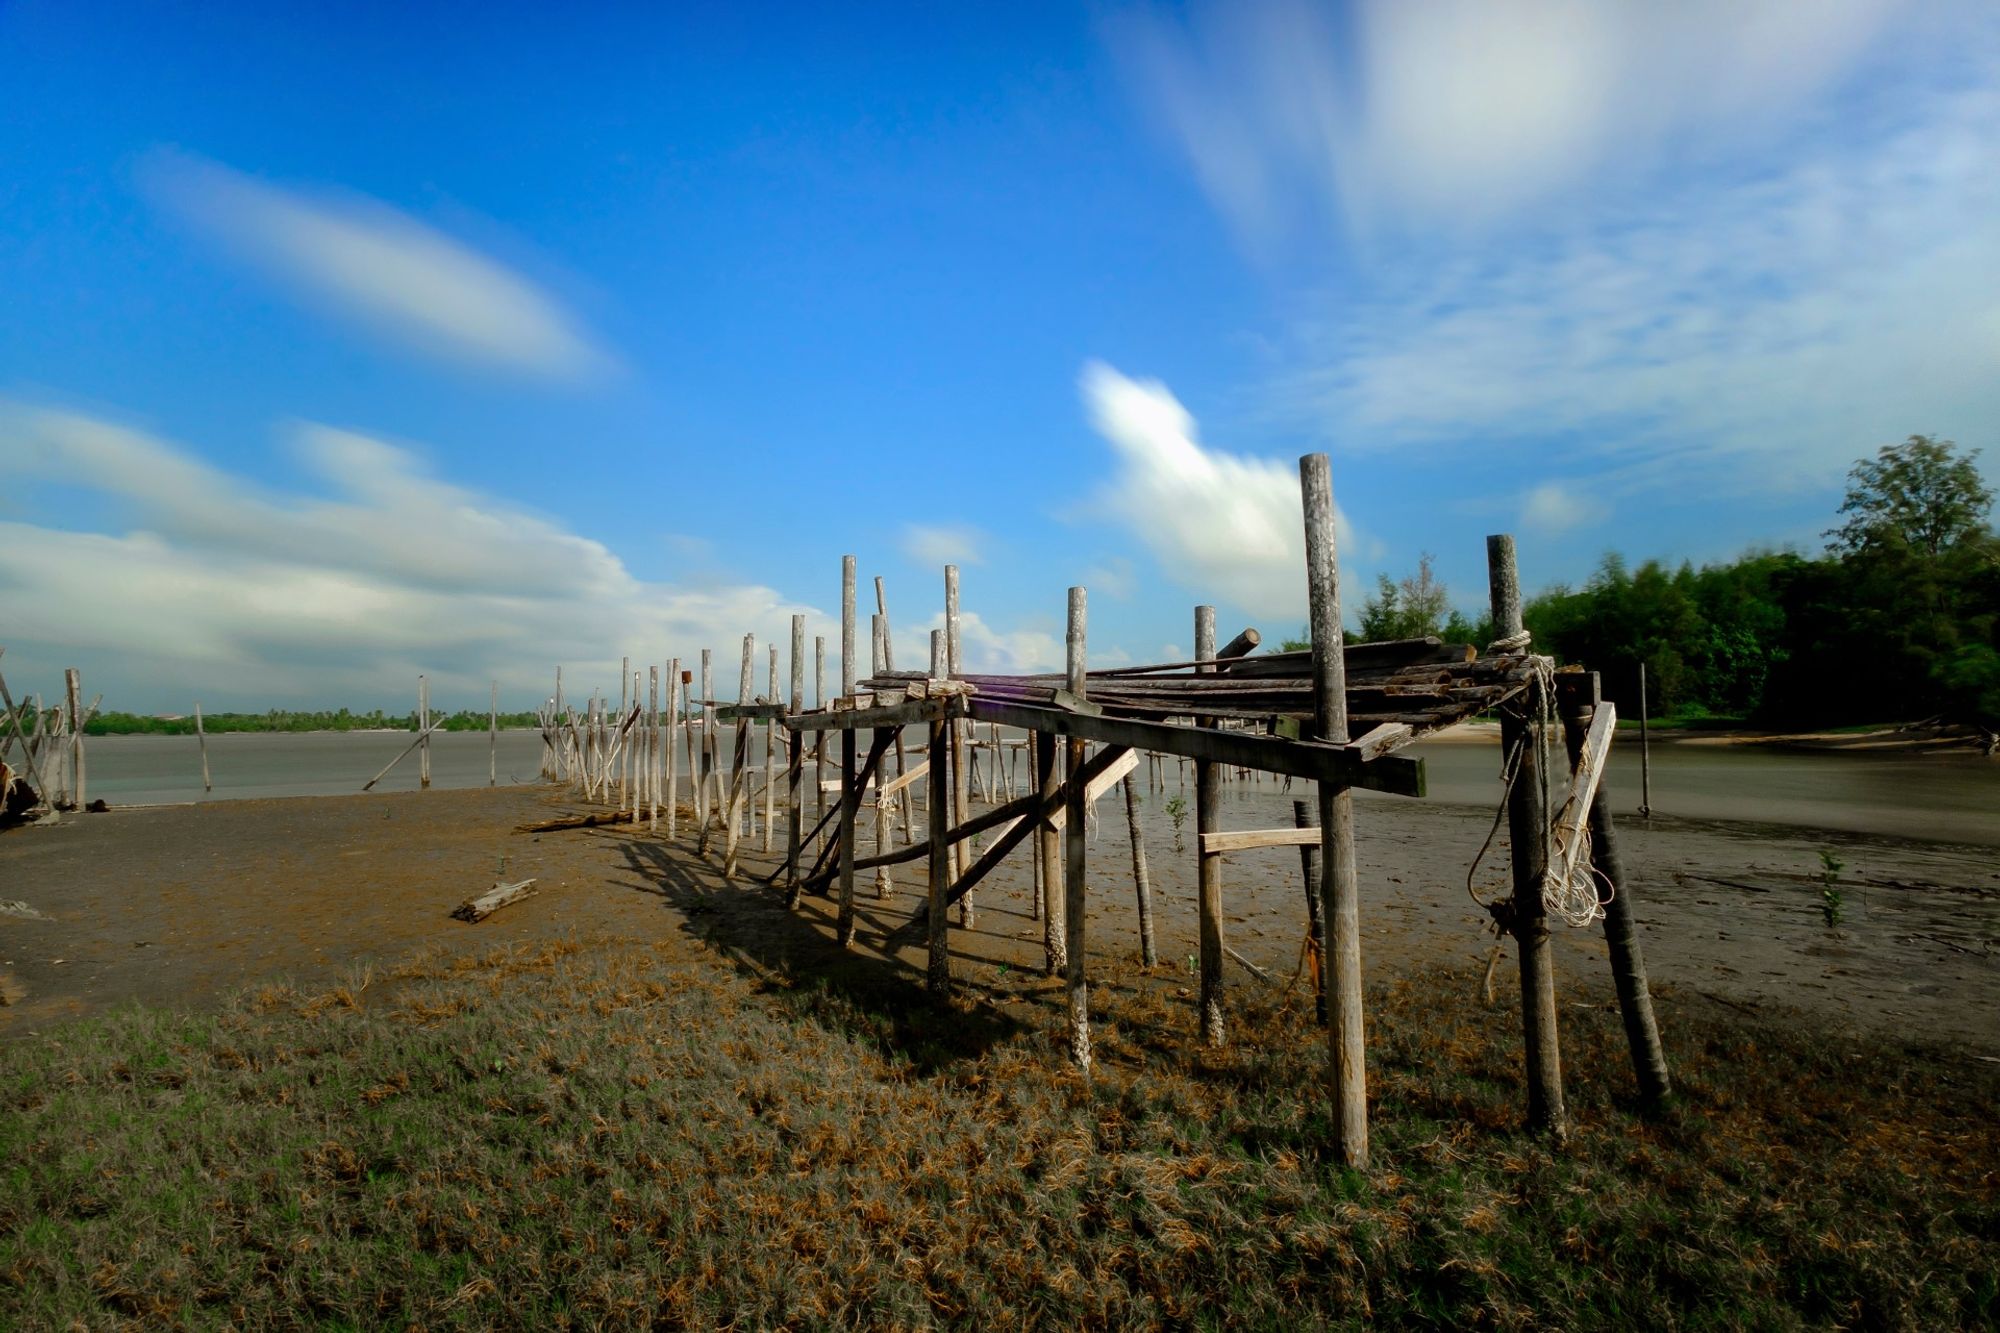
pixel 497 897
pixel 595 820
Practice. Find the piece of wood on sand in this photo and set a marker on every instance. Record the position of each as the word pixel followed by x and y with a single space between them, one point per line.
pixel 495 898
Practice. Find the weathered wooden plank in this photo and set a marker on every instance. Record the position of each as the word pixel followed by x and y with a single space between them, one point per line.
pixel 909 713
pixel 1398 775
pixel 499 896
pixel 1243 840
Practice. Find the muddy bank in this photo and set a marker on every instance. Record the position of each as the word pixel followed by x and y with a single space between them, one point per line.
pixel 182 905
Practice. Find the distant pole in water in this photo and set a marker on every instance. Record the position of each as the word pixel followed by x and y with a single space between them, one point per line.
pixel 493 738
pixel 424 730
pixel 1645 753
pixel 201 738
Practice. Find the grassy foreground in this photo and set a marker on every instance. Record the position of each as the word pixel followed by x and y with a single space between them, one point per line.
pixel 592 1135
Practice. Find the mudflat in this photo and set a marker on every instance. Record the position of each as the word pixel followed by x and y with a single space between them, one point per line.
pixel 183 905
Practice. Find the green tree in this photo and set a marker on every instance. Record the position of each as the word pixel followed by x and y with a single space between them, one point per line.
pixel 1921 497
pixel 1407 609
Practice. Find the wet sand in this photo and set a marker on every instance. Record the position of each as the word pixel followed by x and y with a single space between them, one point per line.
pixel 184 905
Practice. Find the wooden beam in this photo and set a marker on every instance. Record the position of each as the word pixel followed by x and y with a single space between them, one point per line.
pixel 909 713
pixel 1243 840
pixel 1395 774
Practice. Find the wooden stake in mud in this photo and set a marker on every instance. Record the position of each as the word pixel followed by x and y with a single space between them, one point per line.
pixel 1578 695
pixel 1076 845
pixel 1055 947
pixel 1645 752
pixel 903 800
pixel 1142 883
pixel 1340 884
pixel 850 796
pixel 771 754
pixel 73 683
pixel 1527 830
pixel 1208 819
pixel 652 781
pixel 424 727
pixel 795 756
pixel 746 684
pixel 938 809
pixel 676 695
pixel 201 739
pixel 954 664
pixel 819 738
pixel 493 737
pixel 1305 814
pixel 879 625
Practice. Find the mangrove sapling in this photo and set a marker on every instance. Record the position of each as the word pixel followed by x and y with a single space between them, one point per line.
pixel 1177 811
pixel 1830 898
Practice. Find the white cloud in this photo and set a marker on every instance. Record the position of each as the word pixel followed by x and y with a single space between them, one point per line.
pixel 943 545
pixel 382 265
pixel 1552 508
pixel 1220 525
pixel 1752 334
pixel 223 591
pixel 1460 111
pixel 999 652
pixel 1113 576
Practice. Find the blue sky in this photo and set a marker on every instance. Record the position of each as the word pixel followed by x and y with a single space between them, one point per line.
pixel 340 346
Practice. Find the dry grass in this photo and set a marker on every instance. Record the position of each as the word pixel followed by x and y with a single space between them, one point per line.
pixel 586 1135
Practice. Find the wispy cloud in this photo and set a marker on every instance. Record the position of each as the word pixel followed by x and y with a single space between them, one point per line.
pixel 220 589
pixel 1220 525
pixel 1712 245
pixel 1553 508
pixel 383 266
pixel 943 545
pixel 1460 111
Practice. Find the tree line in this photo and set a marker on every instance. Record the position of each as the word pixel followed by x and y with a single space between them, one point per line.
pixel 279 719
pixel 1898 618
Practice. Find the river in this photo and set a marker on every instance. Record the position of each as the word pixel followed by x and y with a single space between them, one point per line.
pixel 1952 797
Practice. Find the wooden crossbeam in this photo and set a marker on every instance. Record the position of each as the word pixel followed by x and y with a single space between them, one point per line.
pixel 1340 765
pixel 1243 840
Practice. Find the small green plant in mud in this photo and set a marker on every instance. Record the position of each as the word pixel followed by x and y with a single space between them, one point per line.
pixel 1830 899
pixel 1177 811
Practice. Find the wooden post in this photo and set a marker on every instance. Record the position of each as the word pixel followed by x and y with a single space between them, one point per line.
pixel 1645 753
pixel 624 752
pixel 905 799
pixel 1142 883
pixel 1628 963
pixel 1305 815
pixel 201 739
pixel 1208 865
pixel 493 737
pixel 795 758
pixel 1055 948
pixel 850 796
pixel 1075 846
pixel 1340 884
pixel 1527 829
pixel 73 683
pixel 771 754
pixel 652 779
pixel 676 692
pixel 937 808
pixel 424 728
pixel 960 806
pixel 878 626
pixel 739 778
pixel 819 738
pixel 704 806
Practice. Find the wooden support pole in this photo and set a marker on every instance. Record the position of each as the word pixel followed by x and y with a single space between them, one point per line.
pixel 1142 883
pixel 1076 848
pixel 1340 884
pixel 73 685
pixel 424 730
pixel 878 627
pixel 771 754
pixel 493 737
pixel 740 760
pixel 819 742
pixel 938 809
pixel 960 805
pixel 1578 698
pixel 1055 949
pixel 1305 815
pixel 1208 865
pixel 795 757
pixel 201 739
pixel 850 793
pixel 677 722
pixel 1527 830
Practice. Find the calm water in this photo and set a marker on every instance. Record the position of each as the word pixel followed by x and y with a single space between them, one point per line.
pixel 1953 798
